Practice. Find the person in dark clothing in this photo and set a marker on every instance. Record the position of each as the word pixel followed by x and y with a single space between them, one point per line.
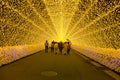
pixel 68 48
pixel 46 46
pixel 52 46
pixel 60 45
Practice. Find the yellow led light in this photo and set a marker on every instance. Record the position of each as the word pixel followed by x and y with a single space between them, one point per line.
pixel 83 22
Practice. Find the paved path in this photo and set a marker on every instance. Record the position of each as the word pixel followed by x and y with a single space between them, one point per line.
pixel 47 66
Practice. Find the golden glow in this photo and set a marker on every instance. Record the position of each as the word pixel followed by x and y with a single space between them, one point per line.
pixel 91 25
pixel 85 22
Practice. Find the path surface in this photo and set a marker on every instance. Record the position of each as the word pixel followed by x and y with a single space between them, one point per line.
pixel 47 66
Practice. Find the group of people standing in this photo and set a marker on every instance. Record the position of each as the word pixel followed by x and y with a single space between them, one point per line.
pixel 58 47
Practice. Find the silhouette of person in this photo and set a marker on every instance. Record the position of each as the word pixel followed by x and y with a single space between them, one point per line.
pixel 55 47
pixel 46 46
pixel 60 45
pixel 68 48
pixel 52 46
pixel 65 48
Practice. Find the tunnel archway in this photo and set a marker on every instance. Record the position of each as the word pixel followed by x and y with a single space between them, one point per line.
pixel 90 24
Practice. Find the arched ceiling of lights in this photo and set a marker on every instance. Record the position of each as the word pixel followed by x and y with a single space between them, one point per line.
pixel 84 22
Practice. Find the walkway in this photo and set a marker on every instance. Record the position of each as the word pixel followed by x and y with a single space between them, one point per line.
pixel 47 66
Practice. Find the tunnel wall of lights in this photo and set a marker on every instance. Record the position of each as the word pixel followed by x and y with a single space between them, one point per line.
pixel 105 56
pixel 9 54
pixel 88 23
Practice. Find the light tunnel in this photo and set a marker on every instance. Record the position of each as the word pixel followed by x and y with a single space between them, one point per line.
pixel 93 26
